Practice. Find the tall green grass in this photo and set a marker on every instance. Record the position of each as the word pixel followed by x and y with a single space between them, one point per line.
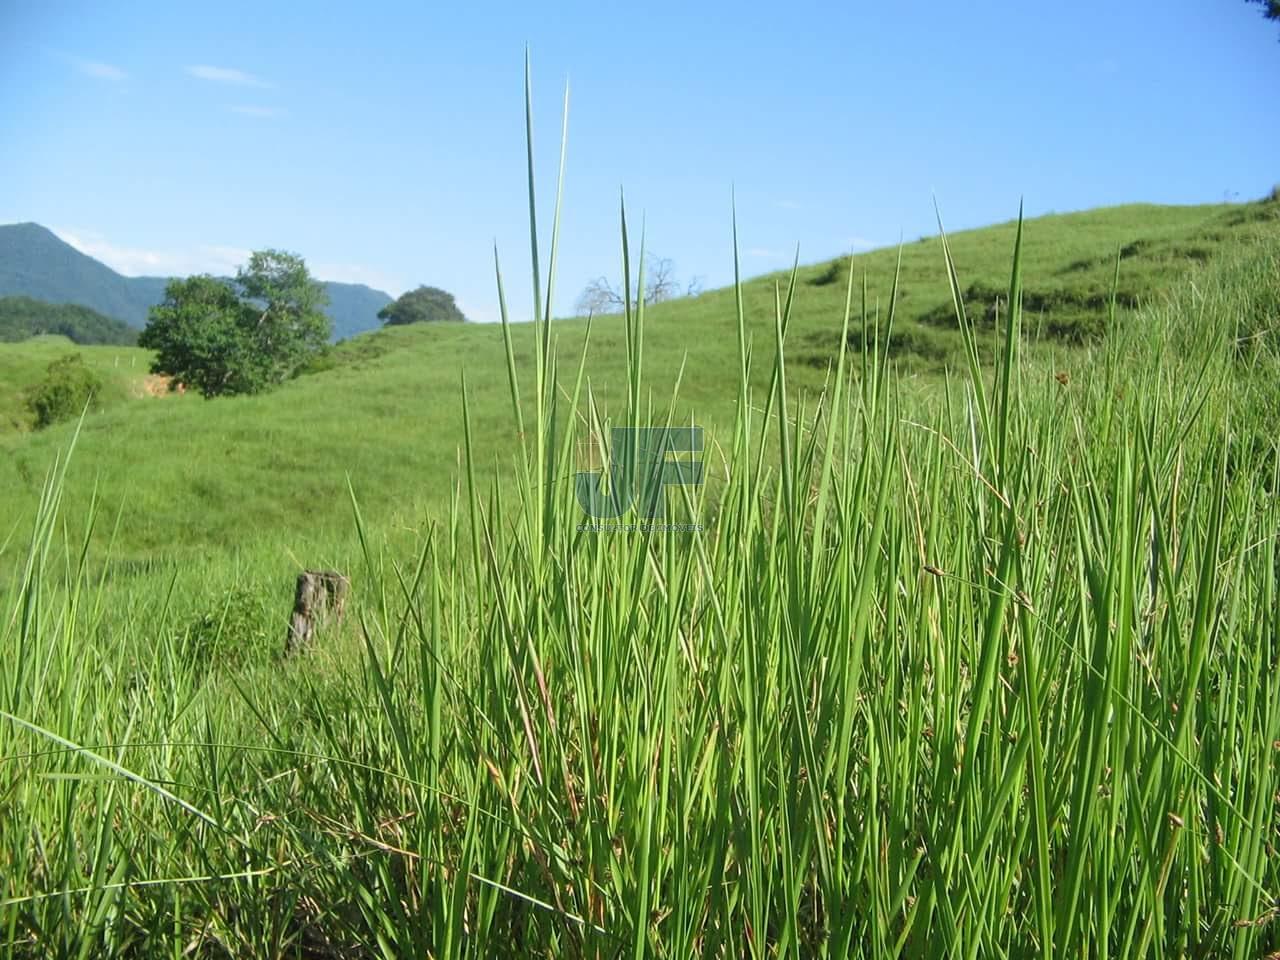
pixel 991 675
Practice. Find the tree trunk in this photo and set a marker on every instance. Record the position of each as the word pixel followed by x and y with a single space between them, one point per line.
pixel 320 597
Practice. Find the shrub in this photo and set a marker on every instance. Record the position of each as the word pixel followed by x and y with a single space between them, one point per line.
pixel 237 629
pixel 67 388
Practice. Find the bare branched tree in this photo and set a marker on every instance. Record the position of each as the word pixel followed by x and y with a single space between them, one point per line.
pixel 601 296
pixel 661 281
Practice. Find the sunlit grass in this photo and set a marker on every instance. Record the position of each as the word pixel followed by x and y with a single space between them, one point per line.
pixel 990 672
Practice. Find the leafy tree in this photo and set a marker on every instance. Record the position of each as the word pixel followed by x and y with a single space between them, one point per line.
pixel 1270 8
pixel 198 333
pixel 423 305
pixel 68 386
pixel 291 325
pixel 243 336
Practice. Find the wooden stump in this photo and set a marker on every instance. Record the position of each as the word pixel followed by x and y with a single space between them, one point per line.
pixel 321 596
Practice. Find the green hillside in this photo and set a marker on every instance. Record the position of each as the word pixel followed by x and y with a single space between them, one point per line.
pixel 388 415
pixel 23 317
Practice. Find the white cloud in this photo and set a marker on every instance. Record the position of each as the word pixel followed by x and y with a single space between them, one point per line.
pixel 476 313
pixel 261 113
pixel 99 70
pixel 226 75
pixel 138 262
pixel 357 273
pixel 860 243
pixel 786 205
pixel 219 260
pixel 761 252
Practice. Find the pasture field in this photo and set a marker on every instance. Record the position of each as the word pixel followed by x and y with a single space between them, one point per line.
pixel 383 410
pixel 975 653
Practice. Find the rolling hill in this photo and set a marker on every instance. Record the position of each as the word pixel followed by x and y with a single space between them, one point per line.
pixel 36 263
pixel 23 317
pixel 387 414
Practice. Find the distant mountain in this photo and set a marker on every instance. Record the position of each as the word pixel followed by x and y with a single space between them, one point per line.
pixel 35 263
pixel 23 317
pixel 353 308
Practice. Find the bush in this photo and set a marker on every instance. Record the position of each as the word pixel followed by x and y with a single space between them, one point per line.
pixel 67 388
pixel 238 629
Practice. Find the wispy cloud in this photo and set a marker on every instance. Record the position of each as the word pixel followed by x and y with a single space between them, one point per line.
pixel 99 70
pixel 478 313
pixel 762 252
pixel 786 205
pixel 226 75
pixel 860 243
pixel 262 113
pixel 137 261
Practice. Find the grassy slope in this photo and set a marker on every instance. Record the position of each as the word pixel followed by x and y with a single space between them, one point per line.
pixel 941 718
pixel 188 473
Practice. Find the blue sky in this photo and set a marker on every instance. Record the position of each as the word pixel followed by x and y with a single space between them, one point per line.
pixel 385 142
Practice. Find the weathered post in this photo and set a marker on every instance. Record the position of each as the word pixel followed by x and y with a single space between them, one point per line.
pixel 320 597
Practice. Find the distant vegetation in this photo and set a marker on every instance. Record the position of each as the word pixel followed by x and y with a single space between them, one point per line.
pixel 34 262
pixel 23 317
pixel 243 337
pixel 423 305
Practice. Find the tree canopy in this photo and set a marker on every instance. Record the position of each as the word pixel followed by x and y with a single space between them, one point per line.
pixel 1270 8
pixel 241 336
pixel 423 305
